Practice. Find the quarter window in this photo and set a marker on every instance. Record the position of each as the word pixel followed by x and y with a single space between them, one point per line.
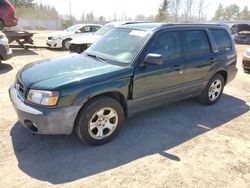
pixel 195 43
pixel 167 44
pixel 222 40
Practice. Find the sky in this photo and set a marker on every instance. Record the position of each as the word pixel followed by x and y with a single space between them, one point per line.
pixel 131 8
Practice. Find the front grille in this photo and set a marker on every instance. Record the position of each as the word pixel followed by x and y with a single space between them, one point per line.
pixel 20 89
pixel 246 63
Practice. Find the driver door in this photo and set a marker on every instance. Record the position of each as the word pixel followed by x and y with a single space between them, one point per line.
pixel 154 81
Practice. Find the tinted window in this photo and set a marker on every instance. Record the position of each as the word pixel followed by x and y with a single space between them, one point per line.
pixel 222 40
pixel 95 28
pixel 195 43
pixel 86 29
pixel 167 44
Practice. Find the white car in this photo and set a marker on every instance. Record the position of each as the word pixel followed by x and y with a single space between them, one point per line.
pixel 81 43
pixel 5 51
pixel 61 39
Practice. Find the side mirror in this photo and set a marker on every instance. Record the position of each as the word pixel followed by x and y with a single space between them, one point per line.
pixel 153 59
pixel 78 31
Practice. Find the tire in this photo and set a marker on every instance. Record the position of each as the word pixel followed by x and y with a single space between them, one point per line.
pixel 213 90
pixel 91 128
pixel 75 48
pixel 1 25
pixel 66 44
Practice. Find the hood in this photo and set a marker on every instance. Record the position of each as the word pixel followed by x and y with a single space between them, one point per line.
pixel 59 34
pixel 87 39
pixel 239 28
pixel 53 73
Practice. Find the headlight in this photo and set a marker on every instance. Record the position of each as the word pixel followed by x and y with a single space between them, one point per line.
pixel 46 98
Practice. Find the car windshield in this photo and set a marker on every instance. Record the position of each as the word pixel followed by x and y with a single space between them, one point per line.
pixel 119 45
pixel 73 28
pixel 104 29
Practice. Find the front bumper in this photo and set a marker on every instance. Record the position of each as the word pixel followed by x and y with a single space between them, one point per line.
pixel 5 52
pixel 44 120
pixel 54 43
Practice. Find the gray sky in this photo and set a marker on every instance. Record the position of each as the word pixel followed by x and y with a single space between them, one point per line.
pixel 131 8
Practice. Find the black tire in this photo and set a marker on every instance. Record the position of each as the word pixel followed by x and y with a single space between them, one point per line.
pixel 1 25
pixel 87 114
pixel 64 47
pixel 204 98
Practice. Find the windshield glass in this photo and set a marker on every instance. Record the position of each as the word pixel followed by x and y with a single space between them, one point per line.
pixel 119 45
pixel 73 28
pixel 104 29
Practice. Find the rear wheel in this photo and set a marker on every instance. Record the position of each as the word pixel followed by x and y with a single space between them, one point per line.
pixel 213 91
pixel 99 121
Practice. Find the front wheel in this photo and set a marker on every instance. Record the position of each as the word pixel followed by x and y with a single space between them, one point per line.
pixel 66 44
pixel 213 91
pixel 99 121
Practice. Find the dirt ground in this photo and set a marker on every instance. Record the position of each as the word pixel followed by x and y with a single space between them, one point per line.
pixel 184 144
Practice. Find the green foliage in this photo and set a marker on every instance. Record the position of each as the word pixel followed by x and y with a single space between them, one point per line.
pixel 219 13
pixel 37 11
pixel 245 14
pixel 22 3
pixel 163 11
pixel 231 12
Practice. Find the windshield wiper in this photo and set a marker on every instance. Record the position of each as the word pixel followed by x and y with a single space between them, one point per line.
pixel 96 57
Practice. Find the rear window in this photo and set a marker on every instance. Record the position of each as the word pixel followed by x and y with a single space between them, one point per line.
pixel 195 43
pixel 222 40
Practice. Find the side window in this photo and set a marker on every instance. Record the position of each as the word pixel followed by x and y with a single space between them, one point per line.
pixel 86 29
pixel 167 44
pixel 222 39
pixel 95 28
pixel 195 43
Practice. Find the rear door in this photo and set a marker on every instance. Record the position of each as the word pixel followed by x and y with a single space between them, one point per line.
pixel 198 57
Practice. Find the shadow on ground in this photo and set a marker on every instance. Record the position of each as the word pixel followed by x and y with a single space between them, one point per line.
pixel 4 68
pixel 22 52
pixel 60 159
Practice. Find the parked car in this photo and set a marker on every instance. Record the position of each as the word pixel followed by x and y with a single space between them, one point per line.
pixel 5 51
pixel 241 33
pixel 61 39
pixel 81 43
pixel 246 60
pixel 133 67
pixel 7 15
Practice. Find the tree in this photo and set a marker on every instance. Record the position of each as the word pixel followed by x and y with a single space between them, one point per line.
pixel 90 16
pixel 245 14
pixel 219 13
pixel 22 3
pixel 201 6
pixel 188 9
pixel 83 17
pixel 101 18
pixel 175 6
pixel 231 12
pixel 140 17
pixel 163 11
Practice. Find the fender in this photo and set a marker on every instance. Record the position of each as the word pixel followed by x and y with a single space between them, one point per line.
pixel 121 86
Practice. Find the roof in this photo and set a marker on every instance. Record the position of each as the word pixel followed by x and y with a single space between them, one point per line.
pixel 154 26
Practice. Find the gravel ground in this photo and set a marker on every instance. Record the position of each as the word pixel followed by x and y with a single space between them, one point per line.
pixel 184 144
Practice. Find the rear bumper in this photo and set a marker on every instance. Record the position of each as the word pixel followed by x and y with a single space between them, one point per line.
pixel 43 120
pixel 5 52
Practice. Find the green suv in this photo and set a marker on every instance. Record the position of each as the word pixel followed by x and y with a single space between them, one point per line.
pixel 132 67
